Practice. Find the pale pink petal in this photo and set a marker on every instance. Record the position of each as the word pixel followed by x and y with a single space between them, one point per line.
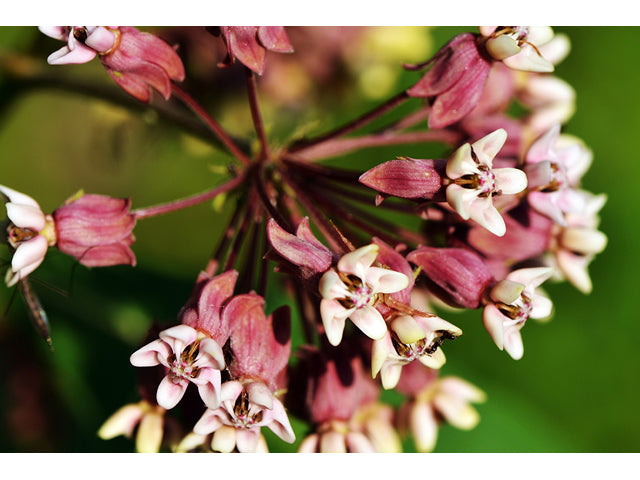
pixel 409 329
pixel 543 148
pixel 26 216
pixel 210 354
pixel 547 204
pixel 531 277
pixel 424 426
pixel 334 316
pixel 29 255
pixel 385 281
pixel 224 439
pixel 370 321
pixel 154 353
pixel 182 333
pixel 122 422
pixel 541 307
pixel 510 180
pixel 101 39
pixel 381 350
pixel 309 444
pixel 502 46
pixel 333 442
pixel 461 389
pixel 358 443
pixel 230 391
pixel 208 381
pixel 208 423
pixel 260 394
pixel 280 422
pixel 583 240
pixel 461 199
pixel 513 343
pixel 488 146
pixel 65 55
pixel 247 439
pixel 574 268
pixel 150 432
pixel 358 261
pixel 458 413
pixel 507 291
pixel 483 212
pixel 493 322
pixel 528 60
pixel 331 286
pixel 59 33
pixel 461 163
pixel 170 393
pixel 435 360
pixel 390 375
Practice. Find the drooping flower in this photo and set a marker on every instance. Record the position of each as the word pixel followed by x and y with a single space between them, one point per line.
pixel 249 45
pixel 136 60
pixel 351 289
pixel 512 301
pixel 149 420
pixel 410 338
pixel 433 400
pixel 518 47
pixel 576 244
pixel 190 357
pixel 249 401
pixel 29 232
pixel 96 230
pixel 456 79
pixel 475 182
pixel 555 165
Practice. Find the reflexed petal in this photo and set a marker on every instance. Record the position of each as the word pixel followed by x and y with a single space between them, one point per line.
pixel 230 391
pixel 502 46
pixel 190 442
pixel 528 60
pixel 488 146
pixel 457 413
pixel 210 354
pixel 513 343
pixel 309 444
pixel 149 437
pixel 59 33
pixel 461 389
pixel 531 277
pixel 543 148
pixel 224 439
pixel 65 56
pixel 101 39
pixel 539 35
pixel 359 261
pixel 260 394
pixel 435 360
pixel 358 443
pixel 334 316
pixel 369 320
pixel 182 333
pixel 461 199
pixel 331 286
pixel 435 324
pixel 152 354
pixel 169 393
pixel 381 350
pixel 122 422
pixel 583 240
pixel 18 197
pixel 493 322
pixel 574 268
pixel 333 442
pixel 510 180
pixel 209 422
pixel 210 389
pixel 424 427
pixel 541 307
pixel 390 375
pixel 280 422
pixel 385 281
pixel 247 439
pixel 26 216
pixel 507 291
pixel 408 329
pixel 461 163
pixel 483 212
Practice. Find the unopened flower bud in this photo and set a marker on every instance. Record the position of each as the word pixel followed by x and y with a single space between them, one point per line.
pixel 96 230
pixel 406 178
pixel 459 277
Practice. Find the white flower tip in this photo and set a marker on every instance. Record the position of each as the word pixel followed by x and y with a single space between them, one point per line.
pixel 407 329
pixel 502 46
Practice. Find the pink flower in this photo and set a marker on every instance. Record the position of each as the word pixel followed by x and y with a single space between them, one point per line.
pixel 555 165
pixel 455 80
pixel 137 61
pixel 149 420
pixel 410 338
pixel 249 45
pixel 512 301
pixel 433 400
pixel 475 182
pixel 96 230
pixel 518 47
pixel 190 357
pixel 577 243
pixel 246 407
pixel 351 289
pixel 30 233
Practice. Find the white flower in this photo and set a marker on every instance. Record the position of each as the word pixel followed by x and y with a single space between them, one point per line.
pixel 518 47
pixel 30 233
pixel 476 182
pixel 244 410
pixel 514 300
pixel 190 357
pixel 148 418
pixel 83 43
pixel 410 338
pixel 351 290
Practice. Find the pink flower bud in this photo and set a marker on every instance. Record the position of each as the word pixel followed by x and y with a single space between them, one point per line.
pixel 249 45
pixel 96 230
pixel 141 61
pixel 456 80
pixel 261 345
pixel 407 178
pixel 457 276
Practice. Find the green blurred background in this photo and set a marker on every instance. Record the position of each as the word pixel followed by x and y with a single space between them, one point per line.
pixel 575 390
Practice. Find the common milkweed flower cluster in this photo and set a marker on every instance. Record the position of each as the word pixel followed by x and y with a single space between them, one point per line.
pixel 502 211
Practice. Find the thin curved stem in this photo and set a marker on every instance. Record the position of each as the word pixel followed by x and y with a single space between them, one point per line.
pixel 252 90
pixel 214 126
pixel 188 201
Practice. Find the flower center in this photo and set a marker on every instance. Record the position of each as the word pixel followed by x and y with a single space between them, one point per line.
pixel 183 367
pixel 360 294
pixel 243 416
pixel 417 349
pixel 18 235
pixel 519 311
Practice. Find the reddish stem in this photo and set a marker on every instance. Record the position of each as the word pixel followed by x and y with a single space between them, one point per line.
pixel 188 201
pixel 255 114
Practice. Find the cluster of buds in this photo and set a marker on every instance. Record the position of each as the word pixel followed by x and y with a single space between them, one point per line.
pixel 501 212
